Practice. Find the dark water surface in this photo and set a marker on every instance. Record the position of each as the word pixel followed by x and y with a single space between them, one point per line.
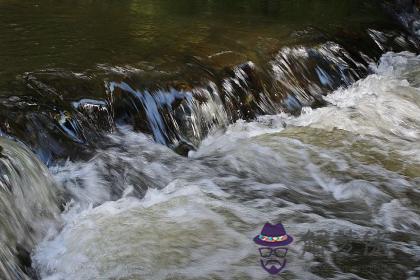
pixel 79 35
pixel 59 61
pixel 161 135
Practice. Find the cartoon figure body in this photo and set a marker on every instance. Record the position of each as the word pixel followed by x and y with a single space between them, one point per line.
pixel 272 243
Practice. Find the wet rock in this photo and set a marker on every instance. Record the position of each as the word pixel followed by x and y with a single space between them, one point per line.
pixel 184 148
pixel 242 92
pixel 97 112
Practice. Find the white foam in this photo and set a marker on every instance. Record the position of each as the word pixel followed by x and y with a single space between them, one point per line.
pixel 339 167
pixel 398 215
pixel 381 105
pixel 166 233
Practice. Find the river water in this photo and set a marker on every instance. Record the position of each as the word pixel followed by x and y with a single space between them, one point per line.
pixel 153 140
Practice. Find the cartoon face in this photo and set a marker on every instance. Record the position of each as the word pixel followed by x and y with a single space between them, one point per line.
pixel 272 243
pixel 273 259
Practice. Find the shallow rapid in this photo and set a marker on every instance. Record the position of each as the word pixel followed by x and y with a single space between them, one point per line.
pixel 346 172
pixel 153 139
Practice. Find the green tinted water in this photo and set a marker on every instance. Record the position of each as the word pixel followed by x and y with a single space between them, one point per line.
pixel 79 35
pixel 139 210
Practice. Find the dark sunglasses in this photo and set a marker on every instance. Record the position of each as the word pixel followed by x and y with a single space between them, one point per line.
pixel 267 252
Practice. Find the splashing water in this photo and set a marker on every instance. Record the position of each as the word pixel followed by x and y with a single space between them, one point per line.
pixel 28 207
pixel 140 211
pixel 284 118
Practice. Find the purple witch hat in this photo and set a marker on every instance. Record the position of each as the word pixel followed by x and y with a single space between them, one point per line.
pixel 273 236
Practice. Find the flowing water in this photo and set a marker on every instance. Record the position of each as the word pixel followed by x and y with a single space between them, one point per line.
pixel 173 131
